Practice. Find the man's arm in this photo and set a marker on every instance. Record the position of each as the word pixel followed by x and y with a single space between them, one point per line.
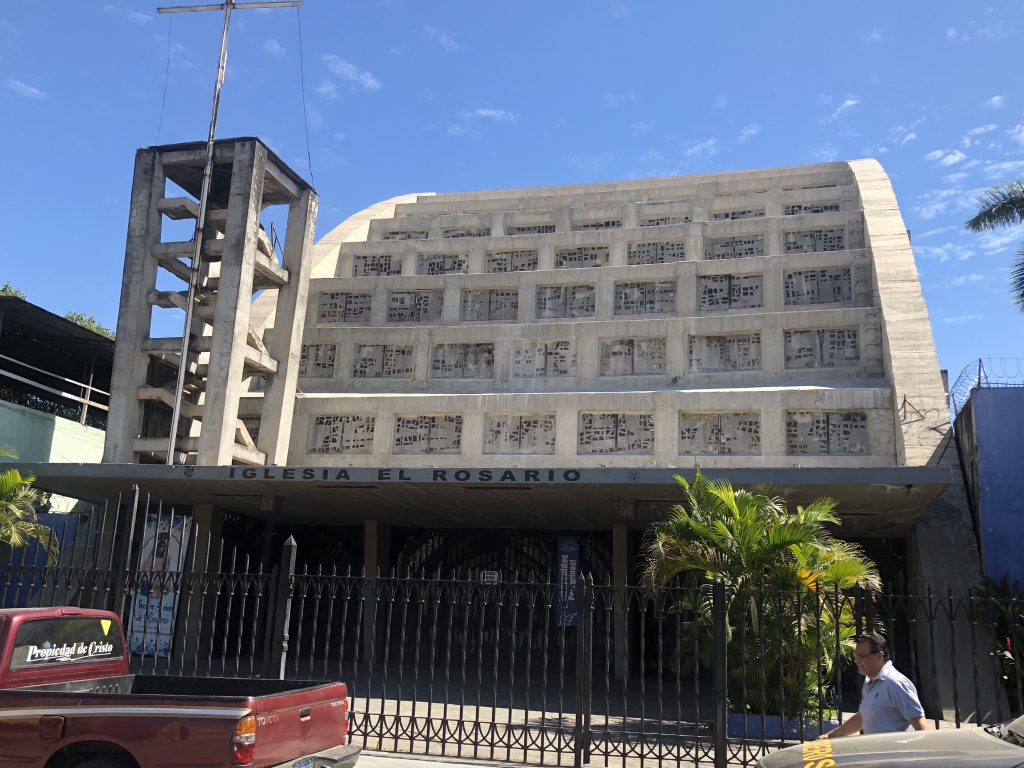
pixel 920 723
pixel 853 725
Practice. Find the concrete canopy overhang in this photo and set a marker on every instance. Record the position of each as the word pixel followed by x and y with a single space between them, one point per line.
pixel 871 501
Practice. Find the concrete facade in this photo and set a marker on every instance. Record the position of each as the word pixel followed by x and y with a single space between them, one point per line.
pixel 770 318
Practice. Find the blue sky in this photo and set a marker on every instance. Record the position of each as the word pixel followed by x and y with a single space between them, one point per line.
pixel 408 96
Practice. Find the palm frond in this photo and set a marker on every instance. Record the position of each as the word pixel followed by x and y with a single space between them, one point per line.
pixel 1017 280
pixel 999 206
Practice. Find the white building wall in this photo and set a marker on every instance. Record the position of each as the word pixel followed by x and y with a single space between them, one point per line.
pixel 824 364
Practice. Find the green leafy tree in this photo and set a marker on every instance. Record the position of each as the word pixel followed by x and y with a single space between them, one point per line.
pixel 89 322
pixel 1003 206
pixel 9 290
pixel 783 573
pixel 19 523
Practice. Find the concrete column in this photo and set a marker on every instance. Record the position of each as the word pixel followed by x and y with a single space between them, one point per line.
pixel 502 362
pixel 376 561
pixel 630 215
pixel 617 251
pixel 477 263
pixel 234 298
pixel 605 298
pixel 379 304
pixel 771 288
pixel 279 400
pixel 472 433
pixel 452 306
pixel 773 237
pixel 666 437
pixel 686 294
pixel 773 427
pixel 621 555
pixel 545 258
pixel 124 419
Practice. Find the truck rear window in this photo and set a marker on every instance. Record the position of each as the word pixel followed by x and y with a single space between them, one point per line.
pixel 66 641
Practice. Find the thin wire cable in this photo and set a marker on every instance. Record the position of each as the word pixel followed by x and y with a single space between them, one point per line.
pixel 167 77
pixel 302 81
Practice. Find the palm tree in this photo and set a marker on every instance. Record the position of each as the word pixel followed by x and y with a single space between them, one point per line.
pixel 19 523
pixel 1003 206
pixel 783 572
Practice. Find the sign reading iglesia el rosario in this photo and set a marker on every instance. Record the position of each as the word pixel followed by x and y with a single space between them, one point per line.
pixel 388 474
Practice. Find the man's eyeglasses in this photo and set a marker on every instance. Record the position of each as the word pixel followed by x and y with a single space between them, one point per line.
pixel 865 655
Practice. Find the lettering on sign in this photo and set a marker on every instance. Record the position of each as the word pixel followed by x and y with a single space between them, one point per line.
pixel 404 474
pixel 68 651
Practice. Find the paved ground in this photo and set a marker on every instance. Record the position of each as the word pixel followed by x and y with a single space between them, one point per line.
pixel 391 760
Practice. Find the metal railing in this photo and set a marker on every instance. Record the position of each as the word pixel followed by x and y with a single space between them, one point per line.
pixel 22 384
pixel 550 673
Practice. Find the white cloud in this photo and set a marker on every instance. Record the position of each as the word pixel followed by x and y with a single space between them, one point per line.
pixel 1017 134
pixel 874 36
pixel 135 17
pixel 327 89
pixel 940 253
pixel 999 240
pixel 826 153
pixel 350 72
pixel 23 89
pixel 933 232
pixel 961 319
pixel 973 278
pixel 1003 171
pixel 442 38
pixel 849 103
pixel 703 149
pixel 616 100
pixel 456 130
pixel 946 157
pixel 976 31
pixel 494 115
pixel 641 128
pixel 936 201
pixel 273 48
pixel 971 136
pixel 996 102
pixel 748 132
pixel 954 178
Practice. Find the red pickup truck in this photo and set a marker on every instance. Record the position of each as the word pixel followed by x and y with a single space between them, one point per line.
pixel 68 700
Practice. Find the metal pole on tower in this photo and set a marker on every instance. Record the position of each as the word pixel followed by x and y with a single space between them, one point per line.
pixel 196 271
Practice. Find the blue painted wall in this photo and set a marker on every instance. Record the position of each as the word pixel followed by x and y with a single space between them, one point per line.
pixel 998 437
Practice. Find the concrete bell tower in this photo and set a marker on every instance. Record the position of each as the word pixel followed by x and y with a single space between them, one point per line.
pixel 227 361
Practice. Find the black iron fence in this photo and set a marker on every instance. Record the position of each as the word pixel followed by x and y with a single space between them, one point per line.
pixel 553 673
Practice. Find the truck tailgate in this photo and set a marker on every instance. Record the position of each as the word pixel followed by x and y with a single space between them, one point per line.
pixel 303 722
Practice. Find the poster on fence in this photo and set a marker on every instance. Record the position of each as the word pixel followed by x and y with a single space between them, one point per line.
pixel 161 559
pixel 568 573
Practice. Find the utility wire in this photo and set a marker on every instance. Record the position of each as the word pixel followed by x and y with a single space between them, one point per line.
pixel 167 77
pixel 302 81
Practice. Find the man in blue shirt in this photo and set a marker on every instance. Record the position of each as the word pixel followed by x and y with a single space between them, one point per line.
pixel 888 700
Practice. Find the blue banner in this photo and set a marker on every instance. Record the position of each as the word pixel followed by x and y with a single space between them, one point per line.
pixel 568 574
